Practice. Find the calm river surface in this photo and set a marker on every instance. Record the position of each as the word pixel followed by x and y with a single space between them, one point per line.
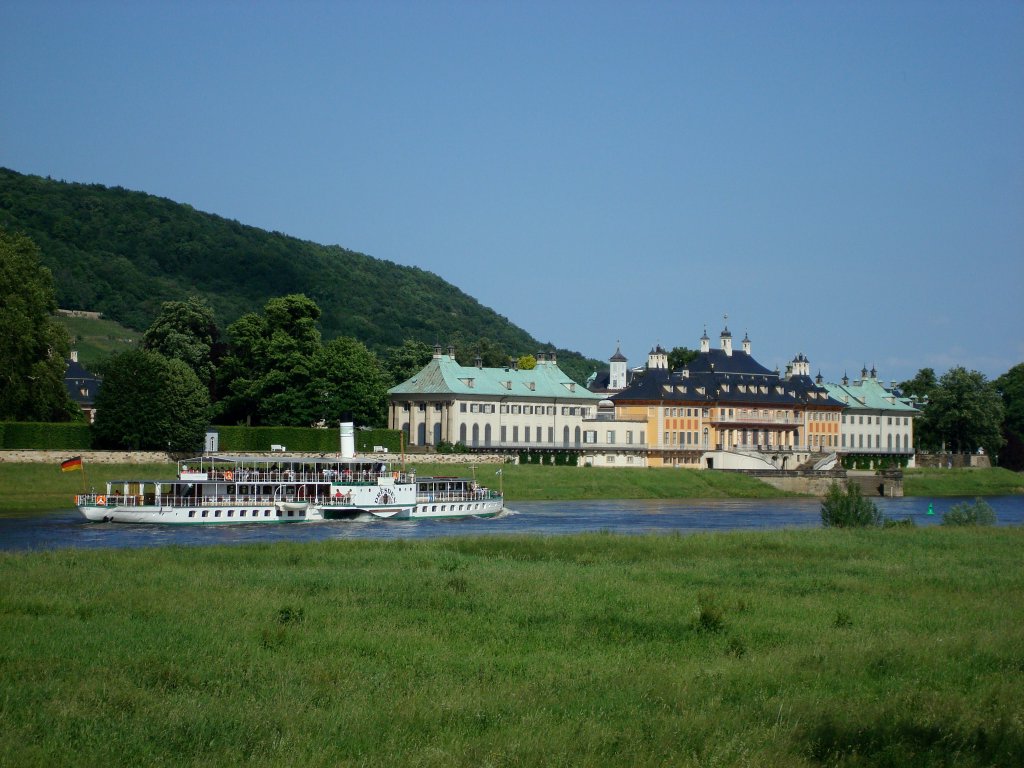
pixel 66 528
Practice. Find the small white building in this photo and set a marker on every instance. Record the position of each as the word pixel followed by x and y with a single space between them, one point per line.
pixel 877 423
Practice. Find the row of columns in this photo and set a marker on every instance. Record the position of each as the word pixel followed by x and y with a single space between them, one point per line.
pixel 430 418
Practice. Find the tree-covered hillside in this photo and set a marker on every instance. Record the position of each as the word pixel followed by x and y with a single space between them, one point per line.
pixel 122 253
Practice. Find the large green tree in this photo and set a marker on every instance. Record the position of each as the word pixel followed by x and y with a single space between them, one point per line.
pixel 148 402
pixel 186 331
pixel 921 386
pixel 348 384
pixel 1010 387
pixel 267 375
pixel 966 412
pixel 921 389
pixel 405 361
pixel 33 345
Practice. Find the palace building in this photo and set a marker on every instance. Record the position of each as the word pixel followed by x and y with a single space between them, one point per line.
pixel 725 410
pixel 492 408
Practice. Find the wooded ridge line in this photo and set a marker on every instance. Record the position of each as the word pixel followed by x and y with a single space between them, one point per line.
pixel 124 253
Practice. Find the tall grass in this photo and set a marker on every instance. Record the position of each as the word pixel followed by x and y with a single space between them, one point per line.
pixel 801 648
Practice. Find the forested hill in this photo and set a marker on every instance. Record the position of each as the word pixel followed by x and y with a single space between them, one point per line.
pixel 122 253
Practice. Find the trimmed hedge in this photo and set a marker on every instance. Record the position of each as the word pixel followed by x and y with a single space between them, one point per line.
pixel 15 435
pixel 32 435
pixel 302 439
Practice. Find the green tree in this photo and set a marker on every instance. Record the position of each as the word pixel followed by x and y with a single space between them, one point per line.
pixel 679 357
pixel 148 402
pixel 1010 387
pixel 347 383
pixel 490 354
pixel 186 331
pixel 267 373
pixel 33 345
pixel 240 372
pixel 966 412
pixel 526 362
pixel 978 513
pixel 921 386
pixel 848 509
pixel 407 360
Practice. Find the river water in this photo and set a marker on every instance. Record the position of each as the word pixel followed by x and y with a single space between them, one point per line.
pixel 66 528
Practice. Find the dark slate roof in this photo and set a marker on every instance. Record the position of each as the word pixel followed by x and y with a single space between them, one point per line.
pixel 716 377
pixel 738 362
pixel 618 357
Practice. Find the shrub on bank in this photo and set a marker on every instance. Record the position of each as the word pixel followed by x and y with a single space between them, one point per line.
pixel 848 509
pixel 978 513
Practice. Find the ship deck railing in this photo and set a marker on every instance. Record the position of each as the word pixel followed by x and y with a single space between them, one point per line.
pixel 257 500
pixel 481 494
pixel 288 476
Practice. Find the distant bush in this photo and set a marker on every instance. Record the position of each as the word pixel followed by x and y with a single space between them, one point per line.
pixel 978 513
pixel 848 509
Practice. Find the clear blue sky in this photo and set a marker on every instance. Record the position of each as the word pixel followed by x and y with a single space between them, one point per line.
pixel 844 179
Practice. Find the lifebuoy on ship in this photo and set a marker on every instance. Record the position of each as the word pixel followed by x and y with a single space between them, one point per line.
pixel 229 475
pixel 101 501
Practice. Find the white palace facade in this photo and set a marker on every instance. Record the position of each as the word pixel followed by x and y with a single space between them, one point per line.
pixel 722 410
pixel 508 409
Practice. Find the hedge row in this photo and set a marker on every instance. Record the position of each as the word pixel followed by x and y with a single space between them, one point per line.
pixel 27 435
pixel 76 436
pixel 303 439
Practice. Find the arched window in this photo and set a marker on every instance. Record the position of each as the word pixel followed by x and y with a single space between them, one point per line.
pixel 462 433
pixel 565 436
pixel 476 435
pixel 487 435
pixel 437 434
pixel 421 434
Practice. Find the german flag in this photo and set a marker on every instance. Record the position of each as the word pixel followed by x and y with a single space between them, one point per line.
pixel 71 464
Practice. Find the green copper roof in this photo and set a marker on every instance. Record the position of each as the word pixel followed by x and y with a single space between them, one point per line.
pixel 443 375
pixel 869 394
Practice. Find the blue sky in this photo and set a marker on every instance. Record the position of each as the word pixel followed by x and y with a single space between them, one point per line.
pixel 843 179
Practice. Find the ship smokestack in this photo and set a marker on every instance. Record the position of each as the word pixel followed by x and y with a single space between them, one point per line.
pixel 348 440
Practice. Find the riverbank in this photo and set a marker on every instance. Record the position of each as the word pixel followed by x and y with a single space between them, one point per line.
pixel 797 648
pixel 35 487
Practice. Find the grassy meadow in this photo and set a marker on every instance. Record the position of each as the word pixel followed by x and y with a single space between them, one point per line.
pixel 796 648
pixel 96 339
pixel 31 488
pixel 962 482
